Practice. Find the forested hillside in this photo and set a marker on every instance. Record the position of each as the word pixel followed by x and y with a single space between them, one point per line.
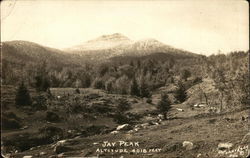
pixel 182 104
pixel 32 63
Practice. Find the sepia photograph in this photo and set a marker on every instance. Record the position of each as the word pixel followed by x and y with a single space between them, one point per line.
pixel 125 79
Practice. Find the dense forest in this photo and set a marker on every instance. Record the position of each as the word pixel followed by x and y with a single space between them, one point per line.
pixel 134 75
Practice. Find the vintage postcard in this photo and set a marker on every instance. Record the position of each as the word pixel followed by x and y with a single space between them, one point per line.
pixel 125 79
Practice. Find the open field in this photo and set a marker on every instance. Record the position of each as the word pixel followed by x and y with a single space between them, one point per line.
pixel 85 131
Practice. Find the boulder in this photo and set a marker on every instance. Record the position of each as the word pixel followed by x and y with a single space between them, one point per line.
pixel 114 132
pixel 160 116
pixel 180 109
pixel 42 153
pixel 196 105
pixel 24 127
pixel 233 155
pixel 149 118
pixel 188 145
pixel 144 125
pixel 202 105
pixel 225 146
pixel 154 123
pixel 61 155
pixel 123 127
pixel 221 152
pixel 67 142
pixel 61 142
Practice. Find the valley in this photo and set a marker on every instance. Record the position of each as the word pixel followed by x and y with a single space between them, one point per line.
pixel 115 97
pixel 84 133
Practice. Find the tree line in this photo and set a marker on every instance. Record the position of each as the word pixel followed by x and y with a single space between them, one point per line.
pixel 143 76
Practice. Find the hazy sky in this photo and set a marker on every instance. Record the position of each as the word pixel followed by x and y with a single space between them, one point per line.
pixel 199 26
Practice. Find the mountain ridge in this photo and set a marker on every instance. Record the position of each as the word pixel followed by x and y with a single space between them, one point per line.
pixel 30 52
pixel 99 49
pixel 119 45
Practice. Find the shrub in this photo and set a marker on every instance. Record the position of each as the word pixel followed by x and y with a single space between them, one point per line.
pixel 40 102
pixel 51 133
pixel 25 141
pixel 133 117
pixel 100 108
pixel 121 118
pixel 197 80
pixel 93 96
pixel 52 117
pixel 134 88
pixel 77 91
pixel 149 100
pixel 98 84
pixel 93 130
pixel 185 74
pixel 76 105
pixel 123 105
pixel 10 123
pixel 11 115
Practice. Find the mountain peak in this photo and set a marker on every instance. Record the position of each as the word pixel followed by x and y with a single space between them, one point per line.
pixel 149 43
pixel 103 42
pixel 149 40
pixel 117 44
pixel 112 37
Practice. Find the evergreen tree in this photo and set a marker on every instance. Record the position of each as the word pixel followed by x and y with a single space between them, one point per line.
pixel 131 63
pixel 180 94
pixel 144 92
pixel 138 64
pixel 164 104
pixel 49 94
pixel 42 82
pixel 108 86
pixel 134 88
pixel 22 95
pixel 185 74
pixel 45 84
pixel 86 81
